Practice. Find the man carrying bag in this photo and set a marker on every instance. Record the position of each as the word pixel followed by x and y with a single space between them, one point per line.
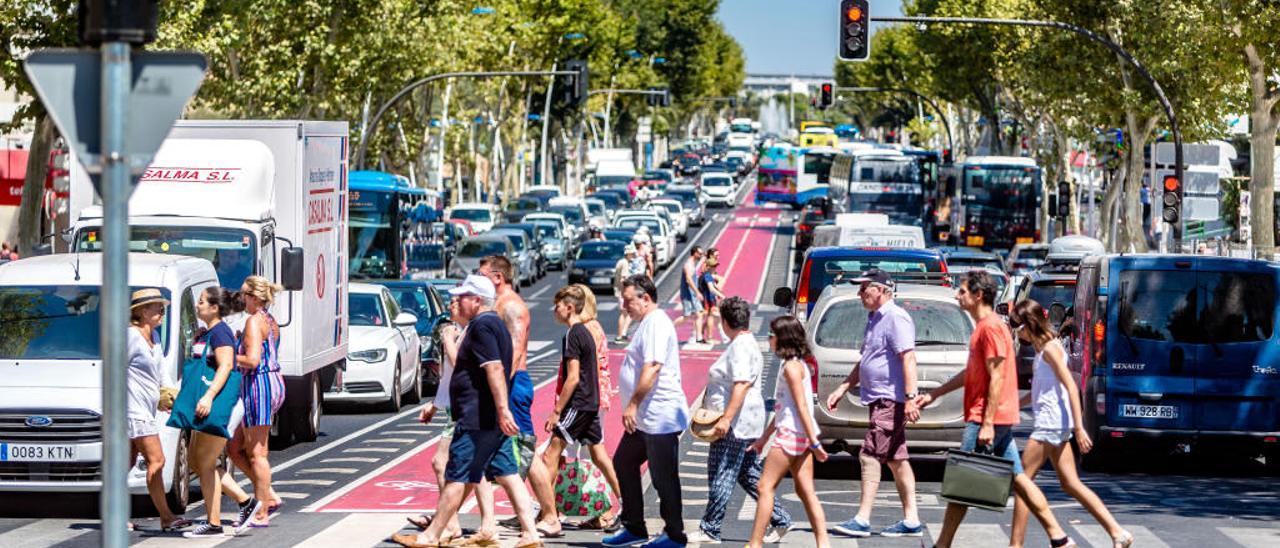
pixel 991 411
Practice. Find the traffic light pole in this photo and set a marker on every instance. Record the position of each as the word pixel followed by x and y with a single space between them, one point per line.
pixel 608 128
pixel 945 124
pixel 1115 48
pixel 373 123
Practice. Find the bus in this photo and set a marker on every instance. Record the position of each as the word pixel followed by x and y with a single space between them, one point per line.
pixel 879 180
pixel 792 175
pixel 991 202
pixel 387 217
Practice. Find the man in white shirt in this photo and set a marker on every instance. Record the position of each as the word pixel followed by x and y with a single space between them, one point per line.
pixel 655 414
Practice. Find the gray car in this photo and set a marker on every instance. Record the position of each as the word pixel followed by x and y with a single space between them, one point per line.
pixel 473 249
pixel 942 348
pixel 554 246
pixel 526 254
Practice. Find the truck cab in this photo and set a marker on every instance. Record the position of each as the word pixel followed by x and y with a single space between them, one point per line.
pixel 51 371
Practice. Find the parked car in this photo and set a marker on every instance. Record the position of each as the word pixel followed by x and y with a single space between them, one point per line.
pixel 526 255
pixel 835 335
pixel 594 262
pixel 422 299
pixel 384 355
pixel 475 248
pixel 679 219
pixel 482 216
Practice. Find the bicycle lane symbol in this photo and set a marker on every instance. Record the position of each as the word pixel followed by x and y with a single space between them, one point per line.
pixel 405 486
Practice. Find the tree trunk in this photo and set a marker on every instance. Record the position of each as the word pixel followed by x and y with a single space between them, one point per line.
pixel 1109 222
pixel 33 185
pixel 1132 236
pixel 1262 142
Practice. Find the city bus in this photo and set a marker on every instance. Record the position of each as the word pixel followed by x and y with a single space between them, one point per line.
pixel 385 214
pixel 794 176
pixel 879 180
pixel 991 202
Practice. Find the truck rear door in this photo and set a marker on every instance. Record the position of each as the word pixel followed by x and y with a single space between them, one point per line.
pixel 1151 351
pixel 1237 372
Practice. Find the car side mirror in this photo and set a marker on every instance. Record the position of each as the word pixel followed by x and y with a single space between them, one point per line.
pixel 405 319
pixel 782 297
pixel 1002 309
pixel 292 268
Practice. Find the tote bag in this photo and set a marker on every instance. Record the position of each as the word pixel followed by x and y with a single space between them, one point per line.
pixel 581 489
pixel 197 376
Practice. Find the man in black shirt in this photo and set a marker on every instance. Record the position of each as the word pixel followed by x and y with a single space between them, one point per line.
pixel 479 404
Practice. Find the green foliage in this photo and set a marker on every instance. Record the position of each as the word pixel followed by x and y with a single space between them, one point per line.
pixel 26 25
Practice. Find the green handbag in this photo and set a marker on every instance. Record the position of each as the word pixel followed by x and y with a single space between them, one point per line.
pixel 978 480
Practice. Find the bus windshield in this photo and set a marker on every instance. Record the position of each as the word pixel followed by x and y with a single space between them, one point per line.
pixel 1005 187
pixel 374 235
pixel 819 164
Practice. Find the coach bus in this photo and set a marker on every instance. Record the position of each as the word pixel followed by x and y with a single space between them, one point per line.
pixel 991 202
pixel 879 180
pixel 792 175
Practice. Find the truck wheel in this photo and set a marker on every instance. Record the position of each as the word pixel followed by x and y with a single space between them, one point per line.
pixel 180 491
pixel 415 393
pixel 305 420
pixel 393 404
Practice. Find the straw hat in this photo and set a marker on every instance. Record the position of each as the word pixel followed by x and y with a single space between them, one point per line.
pixel 147 296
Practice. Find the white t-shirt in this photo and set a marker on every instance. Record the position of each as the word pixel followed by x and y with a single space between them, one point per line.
pixel 740 362
pixel 146 376
pixel 664 410
pixel 446 372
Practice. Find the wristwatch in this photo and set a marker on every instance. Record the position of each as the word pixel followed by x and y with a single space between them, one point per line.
pixel 911 396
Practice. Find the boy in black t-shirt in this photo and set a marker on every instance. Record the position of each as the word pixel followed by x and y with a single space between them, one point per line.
pixel 576 413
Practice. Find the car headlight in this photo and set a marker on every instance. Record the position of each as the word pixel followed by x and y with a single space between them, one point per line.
pixel 370 356
pixel 578 272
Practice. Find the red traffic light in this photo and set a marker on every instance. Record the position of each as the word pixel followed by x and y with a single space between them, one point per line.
pixel 826 88
pixel 1171 183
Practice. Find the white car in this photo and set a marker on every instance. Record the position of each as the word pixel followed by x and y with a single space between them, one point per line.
pixel 571 235
pixel 718 188
pixel 678 215
pixel 600 213
pixel 660 233
pixel 481 216
pixel 383 354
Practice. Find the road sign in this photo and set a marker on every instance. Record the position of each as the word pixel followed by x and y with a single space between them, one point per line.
pixel 69 84
pixel 1192 154
pixel 645 132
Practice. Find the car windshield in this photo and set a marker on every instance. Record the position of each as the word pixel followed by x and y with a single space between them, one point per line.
pixel 425 255
pixel 548 231
pixel 969 263
pixel 524 204
pixel 717 181
pixel 655 227
pixel 413 300
pixel 669 207
pixel 1033 253
pixel 613 180
pixel 516 238
pixel 610 200
pixel 53 322
pixel 573 214
pixel 936 322
pixel 601 250
pixel 366 309
pixel 687 199
pixel 472 214
pixel 958 275
pixel 597 209
pixel 231 250
pixel 482 248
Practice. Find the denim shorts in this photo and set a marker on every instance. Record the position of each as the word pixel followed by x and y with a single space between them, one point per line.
pixel 473 454
pixel 513 457
pixel 691 306
pixel 1002 446
pixel 1052 437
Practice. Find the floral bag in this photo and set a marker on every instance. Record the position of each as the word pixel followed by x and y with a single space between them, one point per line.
pixel 581 489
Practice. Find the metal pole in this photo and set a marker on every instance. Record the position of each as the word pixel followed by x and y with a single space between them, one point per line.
pixel 444 142
pixel 114 312
pixel 546 124
pixel 608 113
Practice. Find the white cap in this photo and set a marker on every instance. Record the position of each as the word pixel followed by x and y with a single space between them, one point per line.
pixel 477 285
pixel 629 250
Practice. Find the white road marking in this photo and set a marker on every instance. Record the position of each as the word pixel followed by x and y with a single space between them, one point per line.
pixel 45 532
pixel 320 482
pixel 291 496
pixel 348 459
pixel 1251 537
pixel 329 471
pixel 974 534
pixel 537 346
pixel 356 530
pixel 1142 536
pixel 371 450
pixel 392 440
pixel 539 293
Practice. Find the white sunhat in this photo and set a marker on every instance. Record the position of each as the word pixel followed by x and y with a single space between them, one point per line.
pixel 477 285
pixel 629 250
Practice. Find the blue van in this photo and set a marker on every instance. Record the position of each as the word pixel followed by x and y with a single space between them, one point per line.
pixel 1178 351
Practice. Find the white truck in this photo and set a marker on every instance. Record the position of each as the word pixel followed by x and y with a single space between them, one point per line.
pixel 51 369
pixel 265 197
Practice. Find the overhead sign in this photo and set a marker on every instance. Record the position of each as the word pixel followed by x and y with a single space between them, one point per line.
pixel 69 84
pixel 1197 154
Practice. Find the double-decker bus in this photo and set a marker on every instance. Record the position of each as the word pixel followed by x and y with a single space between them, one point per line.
pixel 879 180
pixel 792 175
pixel 989 202
pixel 386 213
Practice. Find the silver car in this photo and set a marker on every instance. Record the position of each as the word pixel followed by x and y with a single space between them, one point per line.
pixel 942 348
pixel 473 249
pixel 526 256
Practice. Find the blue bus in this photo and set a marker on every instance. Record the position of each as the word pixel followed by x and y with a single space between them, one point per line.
pixel 385 211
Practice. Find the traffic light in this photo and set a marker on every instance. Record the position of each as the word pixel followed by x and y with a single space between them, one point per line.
pixel 131 21
pixel 827 97
pixel 1172 200
pixel 855 32
pixel 1064 199
pixel 661 97
pixel 576 89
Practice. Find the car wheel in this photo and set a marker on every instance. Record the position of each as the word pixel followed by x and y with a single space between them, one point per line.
pixel 415 393
pixel 180 491
pixel 393 403
pixel 304 424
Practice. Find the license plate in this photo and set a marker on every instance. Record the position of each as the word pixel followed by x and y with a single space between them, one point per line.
pixel 1149 411
pixel 975 241
pixel 1023 240
pixel 15 452
pixel 601 281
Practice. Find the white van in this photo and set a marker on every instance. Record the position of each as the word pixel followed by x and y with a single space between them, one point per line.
pixel 869 235
pixel 51 369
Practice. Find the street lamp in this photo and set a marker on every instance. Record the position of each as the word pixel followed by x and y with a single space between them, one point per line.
pixel 483 10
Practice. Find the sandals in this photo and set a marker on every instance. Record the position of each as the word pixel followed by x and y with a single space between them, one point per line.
pixel 595 522
pixel 548 534
pixel 479 539
pixel 1123 541
pixel 411 541
pixel 180 523
pixel 421 522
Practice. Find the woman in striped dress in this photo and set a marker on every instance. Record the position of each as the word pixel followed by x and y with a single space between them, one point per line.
pixel 262 392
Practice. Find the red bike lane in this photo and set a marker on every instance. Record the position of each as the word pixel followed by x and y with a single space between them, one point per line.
pixel 407 484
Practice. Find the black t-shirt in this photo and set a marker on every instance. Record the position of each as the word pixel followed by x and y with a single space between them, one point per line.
pixel 579 345
pixel 216 338
pixel 470 397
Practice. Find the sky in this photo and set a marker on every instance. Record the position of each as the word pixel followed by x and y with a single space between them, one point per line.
pixel 790 36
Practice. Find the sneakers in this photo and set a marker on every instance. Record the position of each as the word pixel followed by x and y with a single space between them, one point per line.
pixel 247 511
pixel 901 529
pixel 700 537
pixel 624 538
pixel 204 530
pixel 854 528
pixel 663 541
pixel 774 534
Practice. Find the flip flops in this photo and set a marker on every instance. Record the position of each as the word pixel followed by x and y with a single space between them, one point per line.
pixel 180 523
pixel 421 522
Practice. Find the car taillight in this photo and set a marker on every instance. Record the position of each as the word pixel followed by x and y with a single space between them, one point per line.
pixel 805 228
pixel 802 291
pixel 1100 403
pixel 812 362
pixel 1099 333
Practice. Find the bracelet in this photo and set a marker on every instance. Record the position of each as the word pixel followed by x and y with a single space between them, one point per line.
pixel 815 446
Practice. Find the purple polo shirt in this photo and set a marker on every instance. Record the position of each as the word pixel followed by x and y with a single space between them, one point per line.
pixel 889 333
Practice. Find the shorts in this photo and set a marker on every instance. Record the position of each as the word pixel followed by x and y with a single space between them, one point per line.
pixel 514 456
pixel 1051 436
pixel 886 438
pixel 691 306
pixel 521 399
pixel 579 427
pixel 790 441
pixel 472 454
pixel 141 428
pixel 1002 446
pixel 450 426
pixel 263 393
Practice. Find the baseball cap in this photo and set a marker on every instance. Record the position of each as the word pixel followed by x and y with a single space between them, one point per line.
pixel 477 285
pixel 629 250
pixel 875 276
